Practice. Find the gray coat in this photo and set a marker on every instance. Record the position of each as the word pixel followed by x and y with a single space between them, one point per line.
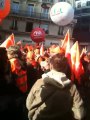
pixel 54 97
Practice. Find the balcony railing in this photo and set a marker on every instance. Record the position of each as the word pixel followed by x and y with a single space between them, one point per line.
pixel 34 15
pixel 46 17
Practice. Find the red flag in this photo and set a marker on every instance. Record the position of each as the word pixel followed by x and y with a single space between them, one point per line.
pixel 79 70
pixel 8 42
pixel 68 56
pixel 73 56
pixel 25 47
pixel 66 38
pixel 30 55
pixel 76 65
pixel 29 48
pixel 67 51
pixel 19 42
pixel 42 50
pixel 83 52
pixel 73 59
pixel 56 50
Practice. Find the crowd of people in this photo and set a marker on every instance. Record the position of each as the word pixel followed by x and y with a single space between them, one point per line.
pixel 38 86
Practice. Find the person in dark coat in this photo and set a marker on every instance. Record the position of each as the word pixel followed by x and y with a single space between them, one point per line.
pixel 7 87
pixel 14 53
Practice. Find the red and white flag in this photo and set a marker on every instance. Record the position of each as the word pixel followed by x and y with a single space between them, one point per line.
pixel 79 70
pixel 42 50
pixel 66 38
pixel 10 41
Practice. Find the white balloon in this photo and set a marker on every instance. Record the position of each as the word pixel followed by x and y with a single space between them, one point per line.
pixel 62 13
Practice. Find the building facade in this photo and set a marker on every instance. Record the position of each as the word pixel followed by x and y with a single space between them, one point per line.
pixel 81 30
pixel 25 15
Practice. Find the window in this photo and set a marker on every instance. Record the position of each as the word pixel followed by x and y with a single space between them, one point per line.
pixel 45 28
pixel 30 9
pixel 79 5
pixel 85 24
pixel 29 26
pixel 15 7
pixel 88 3
pixel 45 12
pixel 2 2
pixel 14 25
pixel 60 31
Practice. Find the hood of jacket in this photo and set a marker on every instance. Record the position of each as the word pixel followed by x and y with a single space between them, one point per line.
pixel 57 78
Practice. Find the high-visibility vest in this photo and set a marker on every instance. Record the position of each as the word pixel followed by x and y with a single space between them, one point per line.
pixel 21 80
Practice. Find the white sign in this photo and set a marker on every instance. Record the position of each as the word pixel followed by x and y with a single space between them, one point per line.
pixel 62 13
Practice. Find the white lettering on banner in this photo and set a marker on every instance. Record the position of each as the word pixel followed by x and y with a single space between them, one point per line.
pixel 37 33
pixel 2 3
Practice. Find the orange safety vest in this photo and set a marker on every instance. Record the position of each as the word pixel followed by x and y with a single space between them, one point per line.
pixel 21 80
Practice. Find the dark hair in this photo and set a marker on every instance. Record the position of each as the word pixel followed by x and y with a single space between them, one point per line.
pixel 59 62
pixel 3 60
pixel 14 51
